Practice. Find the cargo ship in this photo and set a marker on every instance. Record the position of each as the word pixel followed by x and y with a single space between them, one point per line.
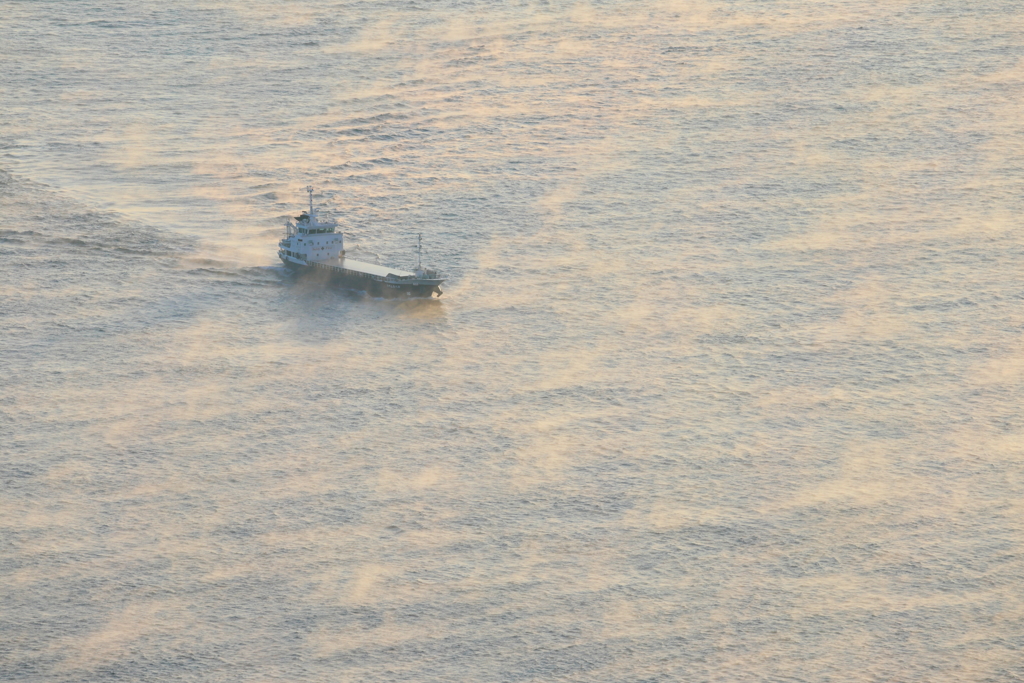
pixel 313 244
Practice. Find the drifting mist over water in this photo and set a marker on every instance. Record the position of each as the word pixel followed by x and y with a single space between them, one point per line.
pixel 725 385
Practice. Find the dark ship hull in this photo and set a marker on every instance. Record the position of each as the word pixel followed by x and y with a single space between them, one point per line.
pixel 376 281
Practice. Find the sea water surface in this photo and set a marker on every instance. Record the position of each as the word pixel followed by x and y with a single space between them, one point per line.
pixel 725 384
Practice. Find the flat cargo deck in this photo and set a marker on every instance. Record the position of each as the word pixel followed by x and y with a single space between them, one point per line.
pixel 367 268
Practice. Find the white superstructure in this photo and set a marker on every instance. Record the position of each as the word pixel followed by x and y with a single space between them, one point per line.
pixel 311 239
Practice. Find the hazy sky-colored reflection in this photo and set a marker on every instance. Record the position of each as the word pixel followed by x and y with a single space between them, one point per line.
pixel 725 385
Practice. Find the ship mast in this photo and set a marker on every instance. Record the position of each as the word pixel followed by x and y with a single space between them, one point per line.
pixel 419 251
pixel 309 189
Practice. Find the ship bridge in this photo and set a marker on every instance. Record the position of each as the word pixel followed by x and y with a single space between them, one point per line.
pixel 310 238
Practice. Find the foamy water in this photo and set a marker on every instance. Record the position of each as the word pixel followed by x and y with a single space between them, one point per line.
pixel 725 384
